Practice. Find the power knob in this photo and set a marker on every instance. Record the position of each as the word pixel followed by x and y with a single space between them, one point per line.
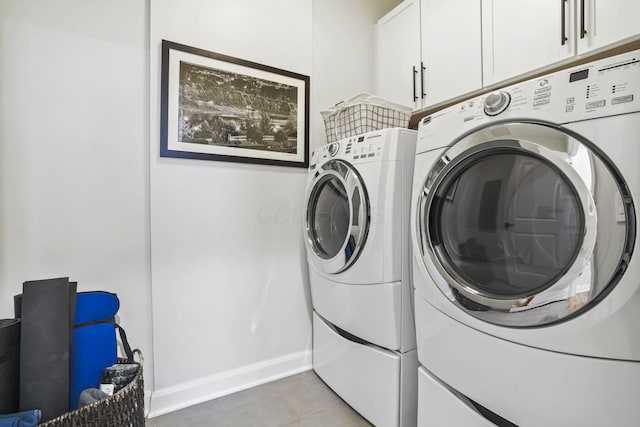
pixel 496 103
pixel 333 148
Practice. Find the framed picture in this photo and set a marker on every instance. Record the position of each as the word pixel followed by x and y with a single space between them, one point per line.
pixel 217 107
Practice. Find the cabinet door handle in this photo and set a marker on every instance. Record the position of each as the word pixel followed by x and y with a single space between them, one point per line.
pixel 563 30
pixel 422 70
pixel 583 32
pixel 413 77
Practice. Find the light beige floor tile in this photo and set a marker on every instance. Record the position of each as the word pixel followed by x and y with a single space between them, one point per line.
pixel 339 415
pixel 300 400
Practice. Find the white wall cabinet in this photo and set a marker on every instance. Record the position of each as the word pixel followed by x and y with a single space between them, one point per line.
pixel 430 51
pixel 601 23
pixel 442 61
pixel 398 54
pixel 520 36
pixel 451 49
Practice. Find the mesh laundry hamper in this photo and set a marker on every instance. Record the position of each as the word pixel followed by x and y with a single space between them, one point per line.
pixel 363 113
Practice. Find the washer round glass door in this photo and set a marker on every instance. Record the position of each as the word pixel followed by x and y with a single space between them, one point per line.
pixel 337 216
pixel 509 224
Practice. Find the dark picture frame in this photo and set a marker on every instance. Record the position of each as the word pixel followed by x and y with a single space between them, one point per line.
pixel 218 107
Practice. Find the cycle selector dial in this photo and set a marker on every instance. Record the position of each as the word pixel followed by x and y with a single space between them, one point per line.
pixel 333 148
pixel 496 103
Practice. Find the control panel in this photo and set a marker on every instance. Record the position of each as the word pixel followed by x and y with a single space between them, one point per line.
pixel 601 88
pixel 357 149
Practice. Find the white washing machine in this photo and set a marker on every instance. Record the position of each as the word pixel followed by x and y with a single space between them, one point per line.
pixel 526 270
pixel 357 241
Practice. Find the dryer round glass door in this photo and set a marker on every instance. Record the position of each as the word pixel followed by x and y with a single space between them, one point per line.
pixel 337 217
pixel 509 220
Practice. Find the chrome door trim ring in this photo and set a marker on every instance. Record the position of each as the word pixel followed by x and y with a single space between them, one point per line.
pixel 499 311
pixel 358 228
pixel 460 161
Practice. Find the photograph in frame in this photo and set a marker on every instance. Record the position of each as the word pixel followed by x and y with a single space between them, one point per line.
pixel 218 107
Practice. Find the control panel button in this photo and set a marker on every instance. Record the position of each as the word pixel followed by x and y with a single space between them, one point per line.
pixel 496 103
pixel 333 149
pixel 622 99
pixel 595 104
pixel 541 102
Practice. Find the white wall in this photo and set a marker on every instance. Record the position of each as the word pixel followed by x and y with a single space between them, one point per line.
pixel 230 300
pixel 343 53
pixel 216 246
pixel 74 160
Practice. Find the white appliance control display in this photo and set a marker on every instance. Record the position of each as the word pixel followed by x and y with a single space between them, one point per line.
pixel 365 149
pixel 602 88
pixel 357 149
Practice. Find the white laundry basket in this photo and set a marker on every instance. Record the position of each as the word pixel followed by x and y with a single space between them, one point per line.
pixel 363 113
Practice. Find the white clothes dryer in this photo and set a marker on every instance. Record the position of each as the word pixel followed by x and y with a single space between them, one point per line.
pixel 357 241
pixel 524 231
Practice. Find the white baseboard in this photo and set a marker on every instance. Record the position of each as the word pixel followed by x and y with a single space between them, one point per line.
pixel 191 393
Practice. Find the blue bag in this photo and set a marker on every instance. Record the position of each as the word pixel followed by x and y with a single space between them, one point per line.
pixel 94 345
pixel 21 419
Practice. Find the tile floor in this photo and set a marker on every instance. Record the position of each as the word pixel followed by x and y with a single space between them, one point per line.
pixel 300 400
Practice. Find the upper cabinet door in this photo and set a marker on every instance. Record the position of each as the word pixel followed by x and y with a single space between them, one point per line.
pixel 520 36
pixel 451 49
pixel 398 54
pixel 603 22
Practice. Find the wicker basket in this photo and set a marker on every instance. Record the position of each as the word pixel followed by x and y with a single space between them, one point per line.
pixel 124 409
pixel 363 113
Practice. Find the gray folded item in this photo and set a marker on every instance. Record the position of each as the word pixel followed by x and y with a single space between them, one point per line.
pixel 90 395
